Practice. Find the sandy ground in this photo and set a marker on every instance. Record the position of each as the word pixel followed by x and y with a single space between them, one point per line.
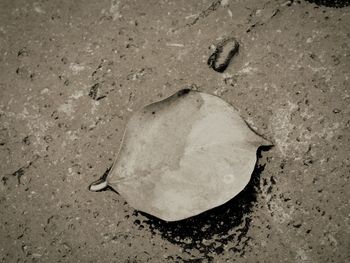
pixel 72 72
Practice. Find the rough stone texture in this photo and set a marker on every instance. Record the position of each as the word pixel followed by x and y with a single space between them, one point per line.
pixel 73 71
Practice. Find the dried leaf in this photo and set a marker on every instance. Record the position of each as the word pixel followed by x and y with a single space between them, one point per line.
pixel 183 155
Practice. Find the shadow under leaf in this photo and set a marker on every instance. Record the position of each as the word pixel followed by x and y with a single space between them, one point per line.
pixel 211 230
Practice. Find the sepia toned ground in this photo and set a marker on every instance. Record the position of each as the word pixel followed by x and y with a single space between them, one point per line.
pixel 72 73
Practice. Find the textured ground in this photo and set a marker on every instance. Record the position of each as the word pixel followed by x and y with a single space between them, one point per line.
pixel 72 72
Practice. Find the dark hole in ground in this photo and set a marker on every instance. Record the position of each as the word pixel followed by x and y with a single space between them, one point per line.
pixel 213 229
pixel 331 3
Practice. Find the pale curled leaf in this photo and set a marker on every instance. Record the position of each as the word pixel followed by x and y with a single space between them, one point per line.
pixel 184 155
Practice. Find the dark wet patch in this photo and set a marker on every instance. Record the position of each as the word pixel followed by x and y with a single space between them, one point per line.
pixel 331 3
pixel 210 231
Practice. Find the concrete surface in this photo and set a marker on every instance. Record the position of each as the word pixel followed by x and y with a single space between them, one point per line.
pixel 72 72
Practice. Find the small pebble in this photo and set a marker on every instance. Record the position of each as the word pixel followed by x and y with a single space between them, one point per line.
pixel 223 54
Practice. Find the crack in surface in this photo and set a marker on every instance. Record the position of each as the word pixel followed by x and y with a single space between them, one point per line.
pixel 212 8
pixel 262 22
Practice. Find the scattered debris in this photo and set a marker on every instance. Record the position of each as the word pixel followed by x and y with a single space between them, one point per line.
pixel 139 74
pixel 94 92
pixel 20 172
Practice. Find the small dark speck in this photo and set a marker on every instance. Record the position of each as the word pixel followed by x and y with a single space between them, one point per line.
pixel 101 97
pixel 286 199
pixel 297 225
pixel 273 180
pixel 23 52
pixel 313 56
pixel 264 182
pixel 153 112
pixel 26 140
pixel 269 189
pixel 4 180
